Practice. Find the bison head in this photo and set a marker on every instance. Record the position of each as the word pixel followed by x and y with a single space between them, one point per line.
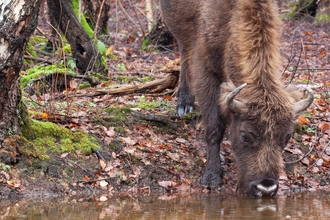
pixel 261 126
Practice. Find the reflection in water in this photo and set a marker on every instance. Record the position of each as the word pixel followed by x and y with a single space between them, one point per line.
pixel 171 206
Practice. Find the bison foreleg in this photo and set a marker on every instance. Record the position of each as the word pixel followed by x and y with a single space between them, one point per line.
pixel 212 177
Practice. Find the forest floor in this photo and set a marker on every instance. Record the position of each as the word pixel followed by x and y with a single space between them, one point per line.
pixel 146 147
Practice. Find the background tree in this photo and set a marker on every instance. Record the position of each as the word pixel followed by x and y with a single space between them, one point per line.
pixel 18 19
pixel 87 57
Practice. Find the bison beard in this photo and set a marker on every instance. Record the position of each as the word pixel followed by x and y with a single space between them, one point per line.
pixel 230 62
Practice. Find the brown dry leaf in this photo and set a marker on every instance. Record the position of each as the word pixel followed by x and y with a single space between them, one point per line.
pixel 302 120
pixel 128 141
pixel 5 174
pixel 110 131
pixel 86 178
pixel 112 173
pixel 166 184
pixel 320 102
pixel 305 161
pixel 64 155
pixel 324 126
pixel 11 183
pixel 73 84
pixel 102 164
pixel 184 188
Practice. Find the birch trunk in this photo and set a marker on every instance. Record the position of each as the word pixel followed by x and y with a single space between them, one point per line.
pixel 18 19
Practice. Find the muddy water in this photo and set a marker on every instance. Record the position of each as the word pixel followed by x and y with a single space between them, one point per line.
pixel 171 206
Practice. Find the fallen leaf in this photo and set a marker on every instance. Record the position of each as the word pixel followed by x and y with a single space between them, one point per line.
pixel 166 184
pixel 102 164
pixel 64 155
pixel 324 126
pixel 73 84
pixel 103 183
pixel 305 161
pixel 302 120
pixel 128 141
pixel 103 198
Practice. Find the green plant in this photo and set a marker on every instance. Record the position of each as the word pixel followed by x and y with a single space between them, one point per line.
pixel 5 167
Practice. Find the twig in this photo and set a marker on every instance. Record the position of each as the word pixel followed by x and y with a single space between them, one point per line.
pixel 129 17
pixel 296 67
pixel 98 18
pixel 38 59
pixel 306 63
pixel 291 56
pixel 135 7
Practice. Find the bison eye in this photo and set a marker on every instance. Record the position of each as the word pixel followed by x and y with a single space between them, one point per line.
pixel 245 138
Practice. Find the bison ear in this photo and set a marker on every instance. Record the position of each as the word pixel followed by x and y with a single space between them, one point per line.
pixel 228 103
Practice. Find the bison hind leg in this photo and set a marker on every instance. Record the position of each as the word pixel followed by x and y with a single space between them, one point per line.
pixel 185 98
pixel 185 102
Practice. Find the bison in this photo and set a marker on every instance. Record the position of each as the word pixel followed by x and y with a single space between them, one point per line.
pixel 230 61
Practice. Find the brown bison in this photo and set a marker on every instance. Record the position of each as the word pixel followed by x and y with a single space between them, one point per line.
pixel 230 62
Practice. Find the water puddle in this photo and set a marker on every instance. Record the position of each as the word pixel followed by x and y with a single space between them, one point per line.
pixel 170 206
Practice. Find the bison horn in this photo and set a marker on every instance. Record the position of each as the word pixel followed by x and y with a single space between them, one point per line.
pixel 305 103
pixel 233 104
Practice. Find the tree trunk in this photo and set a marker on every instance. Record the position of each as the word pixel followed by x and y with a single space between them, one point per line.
pixel 97 15
pixel 305 7
pixel 18 19
pixel 83 49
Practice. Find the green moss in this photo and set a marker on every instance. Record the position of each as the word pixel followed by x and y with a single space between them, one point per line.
pixel 123 79
pixel 322 17
pixel 83 21
pixel 67 48
pixel 145 104
pixel 46 138
pixel 84 85
pixel 115 117
pixel 38 71
pixel 30 50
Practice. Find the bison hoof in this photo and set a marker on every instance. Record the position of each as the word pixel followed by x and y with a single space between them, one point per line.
pixel 212 179
pixel 185 104
pixel 185 109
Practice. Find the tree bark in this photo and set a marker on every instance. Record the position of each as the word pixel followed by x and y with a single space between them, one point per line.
pixel 18 19
pixel 98 15
pixel 83 49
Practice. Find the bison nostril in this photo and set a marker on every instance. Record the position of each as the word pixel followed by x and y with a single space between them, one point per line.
pixel 264 187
